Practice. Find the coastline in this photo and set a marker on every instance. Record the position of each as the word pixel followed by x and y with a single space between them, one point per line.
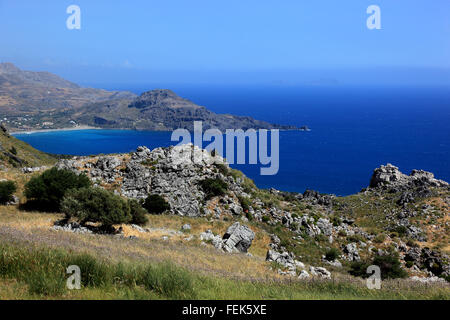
pixel 79 128
pixel 56 130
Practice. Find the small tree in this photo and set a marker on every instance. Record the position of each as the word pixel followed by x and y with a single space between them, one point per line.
pixel 156 204
pixel 96 205
pixel 49 188
pixel 7 189
pixel 138 214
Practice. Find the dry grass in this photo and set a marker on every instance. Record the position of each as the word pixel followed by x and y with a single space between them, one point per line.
pixel 35 227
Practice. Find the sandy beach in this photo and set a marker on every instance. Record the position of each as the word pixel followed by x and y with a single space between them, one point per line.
pixel 54 130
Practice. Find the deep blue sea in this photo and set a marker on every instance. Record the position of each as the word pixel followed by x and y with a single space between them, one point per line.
pixel 354 130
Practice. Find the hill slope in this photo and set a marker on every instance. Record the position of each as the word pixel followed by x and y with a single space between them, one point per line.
pixel 41 100
pixel 16 153
pixel 297 245
pixel 28 92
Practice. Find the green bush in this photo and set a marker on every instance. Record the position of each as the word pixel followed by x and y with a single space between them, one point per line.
pixel 156 204
pixel 138 214
pixel 390 267
pixel 7 189
pixel 222 168
pixel 355 238
pixel 332 254
pixel 401 230
pixel 49 188
pixel 412 243
pixel 213 187
pixel 96 205
pixel 245 203
pixel 379 238
pixel 265 219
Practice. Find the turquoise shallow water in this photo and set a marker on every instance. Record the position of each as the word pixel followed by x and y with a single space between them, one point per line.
pixel 354 130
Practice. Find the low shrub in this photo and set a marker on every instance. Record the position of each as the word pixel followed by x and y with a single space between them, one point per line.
pixel 248 185
pixel 156 204
pixel 7 189
pixel 213 187
pixel 379 238
pixel 223 169
pixel 355 238
pixel 245 203
pixel 138 213
pixel 390 267
pixel 401 230
pixel 411 243
pixel 332 254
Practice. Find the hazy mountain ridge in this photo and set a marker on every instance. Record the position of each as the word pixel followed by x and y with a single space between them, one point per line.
pixel 41 100
pixel 35 94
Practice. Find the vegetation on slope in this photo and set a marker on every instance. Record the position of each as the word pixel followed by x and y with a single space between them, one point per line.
pixel 42 272
pixel 16 153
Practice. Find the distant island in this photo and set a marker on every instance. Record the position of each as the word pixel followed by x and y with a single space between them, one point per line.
pixel 32 101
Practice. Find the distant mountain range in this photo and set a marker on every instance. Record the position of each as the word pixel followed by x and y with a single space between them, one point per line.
pixel 41 100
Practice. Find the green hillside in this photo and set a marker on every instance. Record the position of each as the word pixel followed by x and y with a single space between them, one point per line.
pixel 16 153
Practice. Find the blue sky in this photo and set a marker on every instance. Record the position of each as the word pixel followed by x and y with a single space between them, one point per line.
pixel 285 41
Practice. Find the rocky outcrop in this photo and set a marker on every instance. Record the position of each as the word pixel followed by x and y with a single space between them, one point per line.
pixel 390 177
pixel 173 173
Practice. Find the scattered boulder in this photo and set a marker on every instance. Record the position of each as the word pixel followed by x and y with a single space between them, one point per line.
pixel 428 280
pixel 138 228
pixel 14 201
pixel 352 252
pixel 209 236
pixel 238 238
pixel 304 275
pixel 186 227
pixel 32 169
pixel 71 227
pixel 320 272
